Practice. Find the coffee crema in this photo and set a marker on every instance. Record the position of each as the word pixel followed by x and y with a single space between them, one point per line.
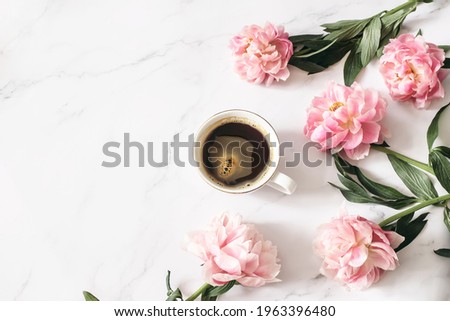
pixel 235 153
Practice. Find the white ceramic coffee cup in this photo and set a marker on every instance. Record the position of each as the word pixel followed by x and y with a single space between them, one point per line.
pixel 270 175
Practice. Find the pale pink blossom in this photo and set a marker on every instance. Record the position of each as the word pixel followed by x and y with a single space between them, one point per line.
pixel 346 118
pixel 232 250
pixel 262 54
pixel 411 69
pixel 356 251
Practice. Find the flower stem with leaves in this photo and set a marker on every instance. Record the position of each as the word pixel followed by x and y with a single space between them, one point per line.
pixel 206 292
pixel 359 188
pixel 415 208
pixel 388 151
pixel 199 292
pixel 364 39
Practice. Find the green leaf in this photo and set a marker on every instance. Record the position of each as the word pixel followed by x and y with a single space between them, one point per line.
pixel 416 181
pixel 205 297
pixel 353 186
pixel 390 227
pixel 445 47
pixel 370 40
pixel 447 217
pixel 446 63
pixel 333 54
pixel 383 144
pixel 391 32
pixel 346 31
pixel 212 293
pixel 441 167
pixel 317 51
pixel 444 150
pixel 397 204
pixel 341 24
pixel 391 28
pixel 388 196
pixel 384 41
pixel 171 294
pixel 89 296
pixel 343 166
pixel 317 44
pixel 352 67
pixel 175 295
pixel 348 35
pixel 419 33
pixel 389 20
pixel 398 23
pixel 403 222
pixel 296 40
pixel 433 129
pixel 353 197
pixel 305 65
pixel 378 189
pixel 410 229
pixel 220 290
pixel 443 252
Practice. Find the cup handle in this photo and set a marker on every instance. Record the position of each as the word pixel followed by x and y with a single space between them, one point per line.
pixel 283 183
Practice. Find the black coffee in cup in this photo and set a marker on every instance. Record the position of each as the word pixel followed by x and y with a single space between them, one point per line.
pixel 235 153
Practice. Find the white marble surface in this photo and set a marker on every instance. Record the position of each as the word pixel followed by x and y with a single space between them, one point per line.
pixel 77 74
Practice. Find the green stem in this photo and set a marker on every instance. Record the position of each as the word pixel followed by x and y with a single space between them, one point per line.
pixel 404 6
pixel 200 290
pixel 407 159
pixel 417 207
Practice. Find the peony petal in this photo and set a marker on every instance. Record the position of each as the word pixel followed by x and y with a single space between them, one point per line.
pixel 223 278
pixel 251 281
pixel 210 269
pixel 228 263
pixel 371 132
pixel 359 255
pixel 359 152
pixel 381 259
pixel 268 269
pixel 353 140
pixel 395 239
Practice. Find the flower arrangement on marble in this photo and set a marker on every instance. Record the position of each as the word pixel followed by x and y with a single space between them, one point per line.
pixel 346 120
pixel 355 251
pixel 232 253
pixel 262 54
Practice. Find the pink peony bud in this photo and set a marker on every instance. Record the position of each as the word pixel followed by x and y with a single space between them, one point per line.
pixel 232 250
pixel 262 54
pixel 346 118
pixel 411 69
pixel 356 251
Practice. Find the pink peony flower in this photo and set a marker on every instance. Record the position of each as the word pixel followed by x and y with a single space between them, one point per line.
pixel 262 54
pixel 412 71
pixel 356 251
pixel 346 118
pixel 232 250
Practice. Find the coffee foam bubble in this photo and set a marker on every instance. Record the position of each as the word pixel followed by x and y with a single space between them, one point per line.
pixel 232 154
